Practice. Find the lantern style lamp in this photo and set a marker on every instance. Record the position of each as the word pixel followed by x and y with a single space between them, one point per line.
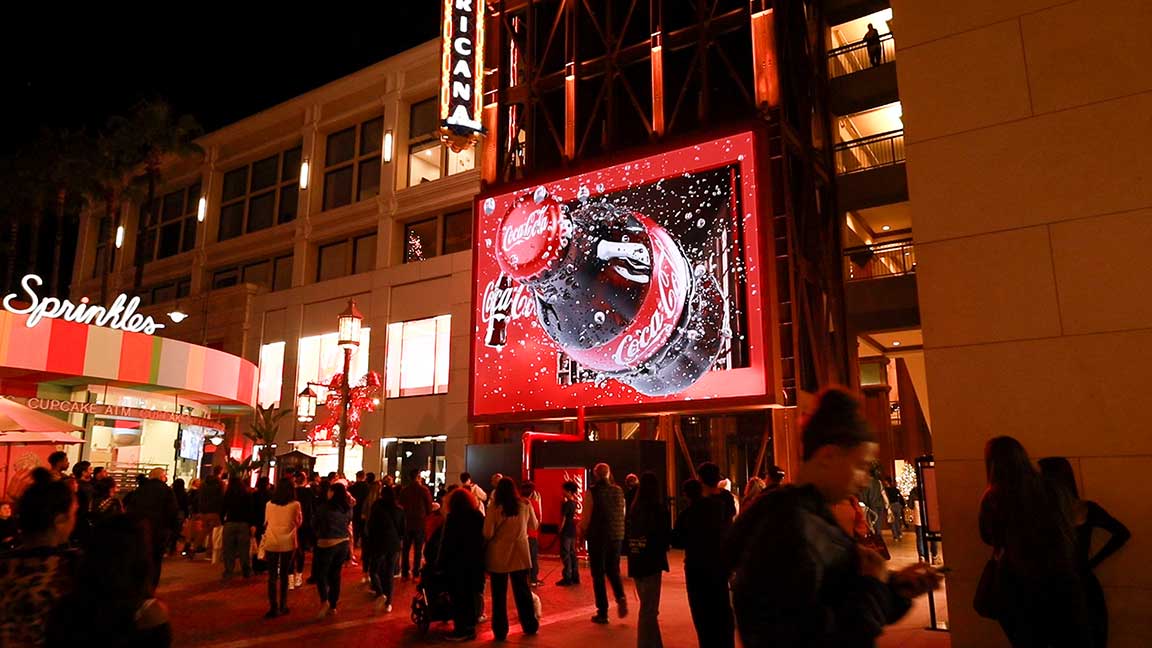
pixel 348 327
pixel 306 405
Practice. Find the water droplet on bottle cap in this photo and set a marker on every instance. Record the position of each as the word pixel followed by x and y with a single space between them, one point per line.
pixel 489 206
pixel 540 194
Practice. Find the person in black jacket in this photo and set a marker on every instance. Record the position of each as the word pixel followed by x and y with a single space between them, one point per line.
pixel 382 541
pixel 456 552
pixel 239 527
pixel 648 533
pixel 799 579
pixel 700 530
pixel 155 503
pixel 306 537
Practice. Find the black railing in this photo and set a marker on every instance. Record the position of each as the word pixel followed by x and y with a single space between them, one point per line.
pixel 890 259
pixel 879 150
pixel 855 57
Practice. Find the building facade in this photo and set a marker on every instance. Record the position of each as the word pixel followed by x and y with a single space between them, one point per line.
pixel 345 192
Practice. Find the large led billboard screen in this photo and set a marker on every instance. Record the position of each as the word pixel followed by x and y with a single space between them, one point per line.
pixel 636 286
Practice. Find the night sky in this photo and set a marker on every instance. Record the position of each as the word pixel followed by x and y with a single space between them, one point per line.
pixel 73 66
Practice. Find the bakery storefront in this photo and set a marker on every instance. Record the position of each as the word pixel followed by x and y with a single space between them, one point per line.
pixel 143 400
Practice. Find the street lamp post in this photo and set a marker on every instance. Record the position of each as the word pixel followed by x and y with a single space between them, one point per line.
pixel 349 340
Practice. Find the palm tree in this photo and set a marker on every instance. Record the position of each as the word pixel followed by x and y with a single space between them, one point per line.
pixel 115 157
pixel 19 201
pixel 67 164
pixel 157 133
pixel 262 431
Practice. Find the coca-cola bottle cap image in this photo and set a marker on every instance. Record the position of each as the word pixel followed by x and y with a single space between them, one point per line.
pixel 529 238
pixel 614 290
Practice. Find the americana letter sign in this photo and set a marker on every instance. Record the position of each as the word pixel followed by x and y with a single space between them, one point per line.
pixel 462 72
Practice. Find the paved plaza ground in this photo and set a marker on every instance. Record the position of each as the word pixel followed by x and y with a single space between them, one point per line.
pixel 209 612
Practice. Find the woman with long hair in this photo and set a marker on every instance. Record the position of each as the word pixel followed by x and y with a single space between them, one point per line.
pixel 456 550
pixel 508 557
pixel 1035 593
pixel 382 544
pixel 332 523
pixel 282 519
pixel 1088 516
pixel 648 534
pixel 113 603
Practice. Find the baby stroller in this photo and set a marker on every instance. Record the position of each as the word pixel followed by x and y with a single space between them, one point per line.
pixel 432 601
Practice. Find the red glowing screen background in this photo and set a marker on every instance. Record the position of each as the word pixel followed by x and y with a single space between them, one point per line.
pixel 706 197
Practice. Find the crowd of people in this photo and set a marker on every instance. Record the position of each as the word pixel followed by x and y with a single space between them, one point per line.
pixel 802 563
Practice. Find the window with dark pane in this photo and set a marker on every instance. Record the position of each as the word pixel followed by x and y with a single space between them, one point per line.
pixel 231 221
pixel 364 256
pixel 166 292
pixel 372 136
pixel 458 231
pixel 235 184
pixel 420 240
pixel 341 147
pixel 264 173
pixel 333 261
pixel 261 211
pixel 338 188
pixel 290 167
pixel 282 273
pixel 289 202
pixel 423 119
pixel 169 239
pixel 259 273
pixel 225 278
pixel 189 239
pixel 369 178
pixel 183 288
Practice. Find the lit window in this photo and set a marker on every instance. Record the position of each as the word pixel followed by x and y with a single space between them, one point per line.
pixel 271 374
pixel 319 358
pixel 418 357
pixel 428 158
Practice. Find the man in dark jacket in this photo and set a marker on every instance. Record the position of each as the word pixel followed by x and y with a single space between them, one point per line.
pixel 799 580
pixel 603 528
pixel 416 500
pixel 155 503
pixel 211 505
pixel 700 531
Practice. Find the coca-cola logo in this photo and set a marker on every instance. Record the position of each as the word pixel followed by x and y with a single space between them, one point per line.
pixel 642 342
pixel 514 302
pixel 535 224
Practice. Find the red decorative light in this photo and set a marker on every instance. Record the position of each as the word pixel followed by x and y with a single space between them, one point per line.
pixel 364 398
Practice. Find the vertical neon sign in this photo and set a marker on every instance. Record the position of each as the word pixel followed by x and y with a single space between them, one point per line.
pixel 462 72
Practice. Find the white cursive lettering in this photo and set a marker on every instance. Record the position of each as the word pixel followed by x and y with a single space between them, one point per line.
pixel 122 314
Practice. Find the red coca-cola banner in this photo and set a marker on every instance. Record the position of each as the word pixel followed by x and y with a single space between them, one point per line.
pixel 635 287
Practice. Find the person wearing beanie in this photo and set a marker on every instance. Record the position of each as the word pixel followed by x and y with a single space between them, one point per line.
pixel 797 578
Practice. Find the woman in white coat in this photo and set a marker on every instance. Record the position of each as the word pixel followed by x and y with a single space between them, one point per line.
pixel 507 557
pixel 282 518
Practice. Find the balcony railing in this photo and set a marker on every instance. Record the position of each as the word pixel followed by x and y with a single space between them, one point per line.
pixel 883 149
pixel 855 57
pixel 890 259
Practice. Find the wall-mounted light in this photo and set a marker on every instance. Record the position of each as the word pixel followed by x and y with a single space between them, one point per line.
pixel 201 209
pixel 216 440
pixel 177 316
pixel 388 145
pixel 119 236
pixel 304 174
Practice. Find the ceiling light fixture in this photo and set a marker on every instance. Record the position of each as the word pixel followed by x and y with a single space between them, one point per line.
pixel 896 343
pixel 886 228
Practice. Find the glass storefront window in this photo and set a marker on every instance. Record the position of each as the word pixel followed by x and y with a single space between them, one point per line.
pixel 418 357
pixel 319 358
pixel 271 374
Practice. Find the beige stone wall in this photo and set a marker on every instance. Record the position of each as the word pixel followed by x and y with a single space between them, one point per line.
pixel 1029 131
